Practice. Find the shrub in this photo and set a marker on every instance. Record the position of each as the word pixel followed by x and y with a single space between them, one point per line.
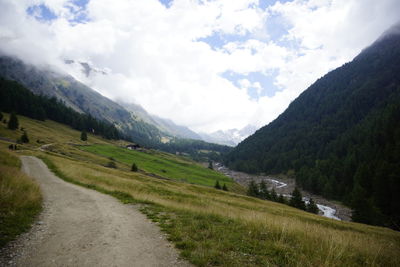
pixel 84 136
pixel 134 167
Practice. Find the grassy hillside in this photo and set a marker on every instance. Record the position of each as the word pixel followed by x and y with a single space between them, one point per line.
pixel 213 227
pixel 162 164
pixel 20 197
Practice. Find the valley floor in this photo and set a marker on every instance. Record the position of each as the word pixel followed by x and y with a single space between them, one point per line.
pixel 81 227
pixel 285 187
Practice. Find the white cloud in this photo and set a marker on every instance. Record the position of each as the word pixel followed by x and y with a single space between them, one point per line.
pixel 156 59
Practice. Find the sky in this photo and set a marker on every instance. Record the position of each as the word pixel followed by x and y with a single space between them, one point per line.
pixel 208 65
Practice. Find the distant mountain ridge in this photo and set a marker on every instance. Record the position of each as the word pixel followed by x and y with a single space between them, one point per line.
pixel 230 137
pixel 341 136
pixel 164 125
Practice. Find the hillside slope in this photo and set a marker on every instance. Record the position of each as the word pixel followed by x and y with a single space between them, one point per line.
pixel 210 227
pixel 341 135
pixel 45 81
pixel 132 119
pixel 164 125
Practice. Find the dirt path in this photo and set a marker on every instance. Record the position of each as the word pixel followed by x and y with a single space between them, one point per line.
pixel 81 227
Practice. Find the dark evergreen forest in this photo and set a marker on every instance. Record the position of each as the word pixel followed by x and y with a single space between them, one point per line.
pixel 16 98
pixel 341 137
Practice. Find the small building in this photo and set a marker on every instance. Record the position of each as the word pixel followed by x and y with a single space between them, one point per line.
pixel 133 146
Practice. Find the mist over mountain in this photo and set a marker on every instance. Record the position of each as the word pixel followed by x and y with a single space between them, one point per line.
pixel 131 119
pixel 341 137
pixel 230 137
pixel 134 122
pixel 85 67
pixel 164 125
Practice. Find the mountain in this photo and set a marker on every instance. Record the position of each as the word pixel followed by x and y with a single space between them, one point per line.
pixel 229 137
pixel 16 98
pixel 131 120
pixel 85 67
pixel 164 125
pixel 341 136
pixel 46 81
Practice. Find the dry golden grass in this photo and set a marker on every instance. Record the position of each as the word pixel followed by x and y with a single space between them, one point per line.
pixel 319 241
pixel 20 198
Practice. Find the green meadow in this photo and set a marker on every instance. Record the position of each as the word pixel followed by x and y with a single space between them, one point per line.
pixel 161 164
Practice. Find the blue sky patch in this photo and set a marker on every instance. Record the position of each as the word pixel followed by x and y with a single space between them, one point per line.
pixel 218 40
pixel 41 12
pixel 266 81
pixel 166 3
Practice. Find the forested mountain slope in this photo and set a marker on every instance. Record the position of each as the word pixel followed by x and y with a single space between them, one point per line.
pixel 45 81
pixel 132 121
pixel 341 136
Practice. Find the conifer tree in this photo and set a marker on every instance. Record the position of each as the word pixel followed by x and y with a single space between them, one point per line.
pixel 13 121
pixel 84 136
pixel 134 167
pixel 312 207
pixel 253 189
pixel 297 200
pixel 281 199
pixel 217 185
pixel 362 206
pixel 210 165
pixel 264 193
pixel 24 138
pixel 274 196
pixel 224 187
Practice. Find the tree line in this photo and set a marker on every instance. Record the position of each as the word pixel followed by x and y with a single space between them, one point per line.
pixel 261 191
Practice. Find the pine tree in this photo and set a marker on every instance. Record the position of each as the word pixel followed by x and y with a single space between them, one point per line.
pixel 253 189
pixel 13 121
pixel 362 206
pixel 274 196
pixel 24 138
pixel 264 193
pixel 224 187
pixel 297 200
pixel 84 136
pixel 217 185
pixel 281 199
pixel 312 207
pixel 210 165
pixel 134 167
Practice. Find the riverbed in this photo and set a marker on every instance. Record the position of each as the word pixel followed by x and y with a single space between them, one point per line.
pixel 285 186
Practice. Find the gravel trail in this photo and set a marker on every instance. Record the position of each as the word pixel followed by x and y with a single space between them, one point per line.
pixel 82 227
